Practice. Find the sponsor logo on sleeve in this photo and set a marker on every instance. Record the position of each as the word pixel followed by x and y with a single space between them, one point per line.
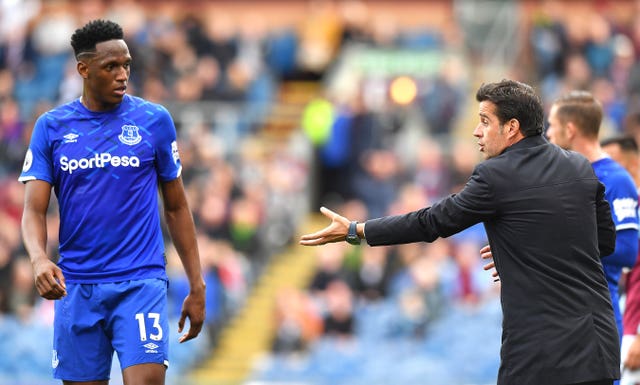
pixel 28 161
pixel 624 208
pixel 174 152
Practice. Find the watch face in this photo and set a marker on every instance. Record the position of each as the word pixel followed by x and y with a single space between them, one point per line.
pixel 352 236
pixel 353 240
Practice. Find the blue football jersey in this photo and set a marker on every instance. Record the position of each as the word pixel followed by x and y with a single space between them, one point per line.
pixel 105 168
pixel 620 192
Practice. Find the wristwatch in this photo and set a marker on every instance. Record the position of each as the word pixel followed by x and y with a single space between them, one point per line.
pixel 352 235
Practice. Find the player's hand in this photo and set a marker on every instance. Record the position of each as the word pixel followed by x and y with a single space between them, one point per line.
pixel 335 232
pixel 192 308
pixel 49 279
pixel 632 360
pixel 485 253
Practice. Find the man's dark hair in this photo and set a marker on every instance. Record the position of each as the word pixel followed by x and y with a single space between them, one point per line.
pixel 632 122
pixel 581 108
pixel 85 39
pixel 515 100
pixel 626 143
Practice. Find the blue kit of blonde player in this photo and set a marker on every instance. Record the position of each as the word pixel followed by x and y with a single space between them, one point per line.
pixel 622 196
pixel 104 168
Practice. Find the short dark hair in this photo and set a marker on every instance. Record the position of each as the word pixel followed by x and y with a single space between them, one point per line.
pixel 96 31
pixel 581 108
pixel 515 100
pixel 632 122
pixel 626 143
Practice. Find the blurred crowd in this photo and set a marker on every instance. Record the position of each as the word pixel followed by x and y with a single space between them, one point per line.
pixel 596 51
pixel 357 147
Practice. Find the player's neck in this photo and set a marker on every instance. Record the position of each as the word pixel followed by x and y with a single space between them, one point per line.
pixel 589 148
pixel 594 154
pixel 94 106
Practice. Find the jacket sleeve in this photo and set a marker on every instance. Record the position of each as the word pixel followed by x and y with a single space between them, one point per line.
pixel 475 203
pixel 606 228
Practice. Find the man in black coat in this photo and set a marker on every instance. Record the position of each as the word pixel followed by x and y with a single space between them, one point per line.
pixel 548 224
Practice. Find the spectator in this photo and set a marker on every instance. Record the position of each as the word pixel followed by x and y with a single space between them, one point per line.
pixel 338 319
pixel 298 321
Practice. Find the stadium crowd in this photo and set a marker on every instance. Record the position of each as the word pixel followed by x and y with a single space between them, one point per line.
pixel 248 194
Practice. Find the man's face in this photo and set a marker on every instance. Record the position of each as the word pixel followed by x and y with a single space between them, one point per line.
pixel 106 73
pixel 492 136
pixel 557 132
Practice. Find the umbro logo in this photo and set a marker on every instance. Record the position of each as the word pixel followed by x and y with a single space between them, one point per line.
pixel 71 138
pixel 151 347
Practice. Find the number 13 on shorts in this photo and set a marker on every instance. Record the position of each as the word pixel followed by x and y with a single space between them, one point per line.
pixel 155 334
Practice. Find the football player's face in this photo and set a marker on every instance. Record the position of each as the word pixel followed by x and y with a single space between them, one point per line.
pixel 557 132
pixel 105 73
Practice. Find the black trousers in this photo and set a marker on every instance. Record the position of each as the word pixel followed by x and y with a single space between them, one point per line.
pixel 599 382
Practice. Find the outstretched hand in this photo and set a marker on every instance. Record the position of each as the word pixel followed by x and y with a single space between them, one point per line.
pixel 335 232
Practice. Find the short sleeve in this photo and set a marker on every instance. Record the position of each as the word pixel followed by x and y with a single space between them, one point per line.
pixel 168 162
pixel 623 199
pixel 38 162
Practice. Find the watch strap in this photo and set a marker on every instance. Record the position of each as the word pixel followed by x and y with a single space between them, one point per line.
pixel 352 234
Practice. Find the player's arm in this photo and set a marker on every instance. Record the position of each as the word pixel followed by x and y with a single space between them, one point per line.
pixel 49 279
pixel 182 230
pixel 626 250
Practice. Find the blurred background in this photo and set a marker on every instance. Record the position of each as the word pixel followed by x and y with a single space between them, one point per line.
pixel 366 107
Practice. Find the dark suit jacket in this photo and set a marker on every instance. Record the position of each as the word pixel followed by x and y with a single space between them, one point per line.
pixel 548 224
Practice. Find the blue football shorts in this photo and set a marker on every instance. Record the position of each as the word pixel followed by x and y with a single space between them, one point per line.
pixel 94 320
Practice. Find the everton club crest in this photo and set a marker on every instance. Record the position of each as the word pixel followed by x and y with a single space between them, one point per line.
pixel 130 135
